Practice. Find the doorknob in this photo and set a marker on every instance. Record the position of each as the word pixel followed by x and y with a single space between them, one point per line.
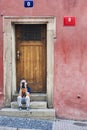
pixel 18 55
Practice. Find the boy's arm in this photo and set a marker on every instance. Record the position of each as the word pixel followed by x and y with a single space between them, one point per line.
pixel 28 94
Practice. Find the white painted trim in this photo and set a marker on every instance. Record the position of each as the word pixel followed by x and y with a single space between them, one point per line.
pixel 9 53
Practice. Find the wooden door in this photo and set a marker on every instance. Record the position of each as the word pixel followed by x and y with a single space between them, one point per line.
pixel 31 63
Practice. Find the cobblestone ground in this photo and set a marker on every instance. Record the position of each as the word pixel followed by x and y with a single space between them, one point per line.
pixel 69 125
pixel 13 123
pixel 10 128
pixel 25 123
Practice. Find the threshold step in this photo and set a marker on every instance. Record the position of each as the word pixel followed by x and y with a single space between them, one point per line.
pixel 33 105
pixel 32 113
pixel 33 97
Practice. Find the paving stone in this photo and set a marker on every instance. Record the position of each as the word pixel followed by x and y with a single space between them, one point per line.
pixel 27 129
pixel 59 124
pixel 67 125
pixel 25 123
pixel 7 128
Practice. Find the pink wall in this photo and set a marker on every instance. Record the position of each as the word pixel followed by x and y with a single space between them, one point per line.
pixel 1 62
pixel 70 76
pixel 70 80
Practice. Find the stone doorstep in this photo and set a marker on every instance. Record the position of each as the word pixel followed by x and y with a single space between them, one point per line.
pixel 32 113
pixel 33 97
pixel 33 105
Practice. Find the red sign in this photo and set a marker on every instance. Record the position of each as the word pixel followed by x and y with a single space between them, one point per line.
pixel 69 21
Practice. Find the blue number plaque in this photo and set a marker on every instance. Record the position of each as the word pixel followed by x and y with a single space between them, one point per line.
pixel 28 3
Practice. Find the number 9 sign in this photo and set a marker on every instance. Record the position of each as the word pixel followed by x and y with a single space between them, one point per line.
pixel 28 3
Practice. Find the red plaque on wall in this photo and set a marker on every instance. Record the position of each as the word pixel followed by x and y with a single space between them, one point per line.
pixel 69 21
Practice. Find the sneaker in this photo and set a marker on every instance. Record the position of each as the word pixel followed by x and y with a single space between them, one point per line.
pixel 20 108
pixel 27 108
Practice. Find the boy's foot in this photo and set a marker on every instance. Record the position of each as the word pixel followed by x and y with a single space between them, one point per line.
pixel 27 108
pixel 20 108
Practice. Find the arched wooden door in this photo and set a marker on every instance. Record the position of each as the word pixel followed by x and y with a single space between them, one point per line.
pixel 31 56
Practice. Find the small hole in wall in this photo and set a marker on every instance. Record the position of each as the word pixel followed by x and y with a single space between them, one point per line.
pixel 1 14
pixel 78 97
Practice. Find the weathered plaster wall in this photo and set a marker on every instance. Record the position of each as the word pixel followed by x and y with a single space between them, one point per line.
pixel 70 75
pixel 1 62
pixel 71 63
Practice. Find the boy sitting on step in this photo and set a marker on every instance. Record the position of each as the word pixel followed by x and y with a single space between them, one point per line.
pixel 24 95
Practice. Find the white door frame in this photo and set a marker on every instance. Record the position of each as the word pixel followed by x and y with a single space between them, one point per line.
pixel 9 53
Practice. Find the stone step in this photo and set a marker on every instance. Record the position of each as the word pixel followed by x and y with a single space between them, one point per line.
pixel 33 105
pixel 33 96
pixel 32 113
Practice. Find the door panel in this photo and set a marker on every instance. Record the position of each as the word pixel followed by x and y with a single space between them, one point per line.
pixel 31 65
pixel 31 55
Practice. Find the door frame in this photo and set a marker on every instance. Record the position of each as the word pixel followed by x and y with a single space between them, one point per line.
pixel 9 53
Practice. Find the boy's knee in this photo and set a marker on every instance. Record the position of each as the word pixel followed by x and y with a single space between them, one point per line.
pixel 27 97
pixel 19 97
